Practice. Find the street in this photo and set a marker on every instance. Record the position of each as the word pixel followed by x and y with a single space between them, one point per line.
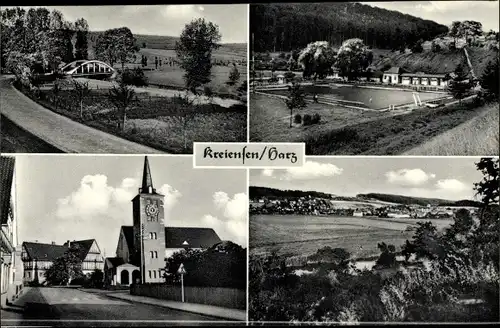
pixel 70 307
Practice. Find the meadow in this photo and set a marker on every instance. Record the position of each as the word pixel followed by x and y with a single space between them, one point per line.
pixel 298 235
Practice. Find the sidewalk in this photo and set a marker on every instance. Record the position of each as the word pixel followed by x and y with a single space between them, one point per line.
pixel 209 310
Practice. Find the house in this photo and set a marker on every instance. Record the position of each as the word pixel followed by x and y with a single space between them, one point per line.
pixel 10 271
pixel 143 247
pixel 421 78
pixel 38 257
pixel 335 74
pixel 391 76
pixel 281 79
pixel 357 213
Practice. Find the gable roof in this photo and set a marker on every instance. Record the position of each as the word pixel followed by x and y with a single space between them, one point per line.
pixel 176 236
pixel 392 70
pixel 44 252
pixel 113 262
pixel 195 237
pixel 84 246
pixel 6 180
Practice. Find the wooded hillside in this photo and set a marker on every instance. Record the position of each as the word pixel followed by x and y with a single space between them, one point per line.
pixel 289 26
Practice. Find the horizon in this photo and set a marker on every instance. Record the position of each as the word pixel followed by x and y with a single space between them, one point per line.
pixel 423 177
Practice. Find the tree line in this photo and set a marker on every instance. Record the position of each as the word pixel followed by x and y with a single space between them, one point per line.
pixel 285 27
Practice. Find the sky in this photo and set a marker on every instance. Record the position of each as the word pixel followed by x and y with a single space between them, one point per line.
pixel 167 20
pixel 445 12
pixel 69 197
pixel 431 177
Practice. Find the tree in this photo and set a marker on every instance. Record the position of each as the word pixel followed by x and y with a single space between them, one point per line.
pixel 417 47
pixel 81 44
pixel 426 242
pixel 186 111
pixel 487 188
pixel 81 90
pixel 460 85
pixel 234 76
pixel 96 279
pixel 65 268
pixel 194 51
pixel 116 45
pixel 56 91
pixel 316 60
pixel 387 258
pixel 353 58
pixel 455 31
pixel 471 30
pixel 122 97
pixel 490 80
pixel 296 99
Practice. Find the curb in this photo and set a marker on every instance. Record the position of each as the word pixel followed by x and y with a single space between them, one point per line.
pixel 173 308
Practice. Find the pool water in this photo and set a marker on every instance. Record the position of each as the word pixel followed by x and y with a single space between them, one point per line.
pixel 363 97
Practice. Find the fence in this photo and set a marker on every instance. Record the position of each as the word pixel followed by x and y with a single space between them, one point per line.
pixel 217 296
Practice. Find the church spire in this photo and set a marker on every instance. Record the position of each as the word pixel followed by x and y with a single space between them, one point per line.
pixel 147 181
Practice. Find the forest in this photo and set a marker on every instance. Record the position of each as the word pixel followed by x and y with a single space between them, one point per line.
pixel 286 27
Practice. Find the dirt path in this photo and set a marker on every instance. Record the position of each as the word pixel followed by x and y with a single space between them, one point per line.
pixel 59 131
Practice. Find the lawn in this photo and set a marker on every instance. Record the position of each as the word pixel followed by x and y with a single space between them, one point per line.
pixel 476 136
pixel 296 235
pixel 153 121
pixel 270 119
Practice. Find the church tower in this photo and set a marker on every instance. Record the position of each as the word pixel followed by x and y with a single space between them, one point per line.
pixel 149 229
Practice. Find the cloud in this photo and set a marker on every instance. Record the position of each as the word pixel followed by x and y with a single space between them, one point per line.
pixel 312 170
pixel 182 11
pixel 232 225
pixel 451 185
pixel 409 177
pixel 171 194
pixel 267 172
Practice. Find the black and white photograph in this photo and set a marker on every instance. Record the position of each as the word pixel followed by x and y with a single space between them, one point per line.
pixel 376 78
pixel 375 239
pixel 121 241
pixel 136 79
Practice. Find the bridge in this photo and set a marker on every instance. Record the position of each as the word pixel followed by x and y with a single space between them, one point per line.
pixel 94 69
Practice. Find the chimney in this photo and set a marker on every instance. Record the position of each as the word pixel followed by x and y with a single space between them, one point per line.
pixel 53 243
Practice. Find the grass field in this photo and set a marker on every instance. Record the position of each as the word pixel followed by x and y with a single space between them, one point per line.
pixel 302 235
pixel 173 75
pixel 477 136
pixel 269 119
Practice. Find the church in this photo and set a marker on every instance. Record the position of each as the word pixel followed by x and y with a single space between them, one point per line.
pixel 143 247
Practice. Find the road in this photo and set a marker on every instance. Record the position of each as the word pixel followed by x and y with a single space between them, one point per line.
pixel 58 131
pixel 69 307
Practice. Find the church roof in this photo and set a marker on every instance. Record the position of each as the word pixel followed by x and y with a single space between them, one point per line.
pixel 114 261
pixel 6 180
pixel 175 237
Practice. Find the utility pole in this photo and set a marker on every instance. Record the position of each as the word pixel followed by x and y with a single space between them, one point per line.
pixel 143 267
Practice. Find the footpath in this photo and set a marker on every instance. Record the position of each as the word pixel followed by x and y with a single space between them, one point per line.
pixel 209 310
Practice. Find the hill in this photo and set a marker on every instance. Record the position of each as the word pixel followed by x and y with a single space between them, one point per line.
pixel 427 61
pixel 407 200
pixel 271 193
pixel 289 26
pixel 168 42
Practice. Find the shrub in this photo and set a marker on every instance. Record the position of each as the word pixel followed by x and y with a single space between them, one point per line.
pixel 307 119
pixel 316 118
pixel 134 77
pixel 297 119
pixel 207 91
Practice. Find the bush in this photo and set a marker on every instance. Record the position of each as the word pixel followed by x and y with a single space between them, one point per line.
pixel 297 119
pixel 316 118
pixel 207 91
pixel 307 119
pixel 134 77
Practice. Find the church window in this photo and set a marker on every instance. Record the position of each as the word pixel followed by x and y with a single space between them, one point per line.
pixel 154 274
pixel 156 254
pixel 152 254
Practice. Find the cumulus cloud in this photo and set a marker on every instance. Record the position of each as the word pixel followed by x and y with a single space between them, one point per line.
pixel 451 185
pixel 171 194
pixel 232 223
pixel 312 170
pixel 409 177
pixel 182 11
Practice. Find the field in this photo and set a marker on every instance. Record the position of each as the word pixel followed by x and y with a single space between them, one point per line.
pixel 155 121
pixel 302 235
pixel 173 75
pixel 477 136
